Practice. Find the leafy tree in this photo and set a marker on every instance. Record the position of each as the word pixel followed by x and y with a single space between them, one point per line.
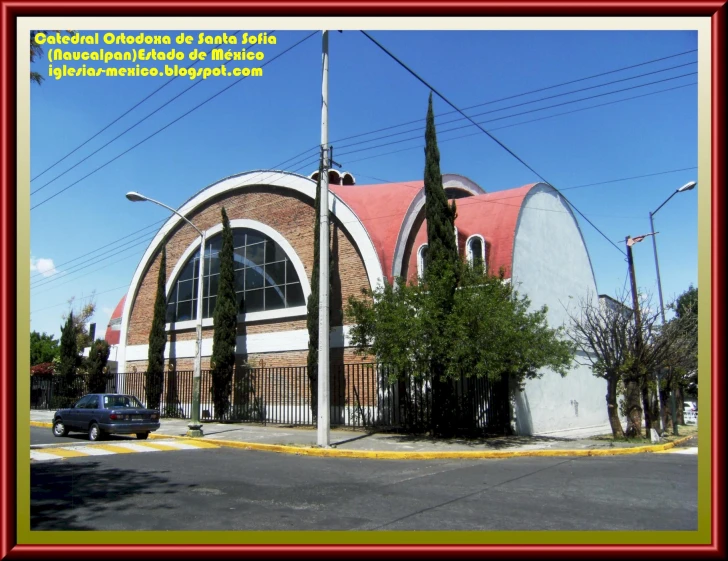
pixel 490 332
pixel 69 358
pixel 96 366
pixel 226 323
pixel 80 320
pixel 157 339
pixel 680 374
pixel 617 352
pixel 43 348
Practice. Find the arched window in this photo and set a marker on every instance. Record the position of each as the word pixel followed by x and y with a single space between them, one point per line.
pixel 422 260
pixel 265 278
pixel 476 251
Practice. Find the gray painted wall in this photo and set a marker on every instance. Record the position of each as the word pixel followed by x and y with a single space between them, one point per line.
pixel 551 266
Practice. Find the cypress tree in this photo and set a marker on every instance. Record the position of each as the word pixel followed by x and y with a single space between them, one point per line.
pixel 69 359
pixel 97 358
pixel 441 275
pixel 157 339
pixel 441 246
pixel 225 318
pixel 312 317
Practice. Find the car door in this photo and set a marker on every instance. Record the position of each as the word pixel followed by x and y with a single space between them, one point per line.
pixel 89 411
pixel 73 417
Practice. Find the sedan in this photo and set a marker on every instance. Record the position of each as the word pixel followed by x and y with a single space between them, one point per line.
pixel 106 413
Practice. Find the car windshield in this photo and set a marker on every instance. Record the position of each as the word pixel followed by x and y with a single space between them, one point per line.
pixel 121 401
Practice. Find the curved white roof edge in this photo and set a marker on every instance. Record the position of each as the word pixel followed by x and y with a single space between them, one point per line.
pixel 348 219
pixel 546 187
pixel 449 181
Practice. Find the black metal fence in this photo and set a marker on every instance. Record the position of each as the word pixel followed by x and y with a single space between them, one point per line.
pixel 362 395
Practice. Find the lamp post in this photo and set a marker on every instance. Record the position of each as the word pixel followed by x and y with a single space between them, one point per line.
pixel 195 428
pixel 687 187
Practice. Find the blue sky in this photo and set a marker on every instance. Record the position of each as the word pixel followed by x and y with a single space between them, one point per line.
pixel 262 122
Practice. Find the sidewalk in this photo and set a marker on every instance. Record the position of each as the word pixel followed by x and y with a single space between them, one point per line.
pixel 361 444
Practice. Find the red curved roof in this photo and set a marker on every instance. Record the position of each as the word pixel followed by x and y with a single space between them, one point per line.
pixel 381 208
pixel 494 216
pixel 113 330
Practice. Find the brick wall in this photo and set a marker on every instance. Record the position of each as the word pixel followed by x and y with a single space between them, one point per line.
pixel 287 212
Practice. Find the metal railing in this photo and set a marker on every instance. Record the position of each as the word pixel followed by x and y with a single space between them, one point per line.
pixel 362 395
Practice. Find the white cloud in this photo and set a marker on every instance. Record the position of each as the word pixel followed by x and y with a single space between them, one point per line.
pixel 43 266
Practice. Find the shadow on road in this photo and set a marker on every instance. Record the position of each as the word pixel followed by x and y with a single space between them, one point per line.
pixel 67 496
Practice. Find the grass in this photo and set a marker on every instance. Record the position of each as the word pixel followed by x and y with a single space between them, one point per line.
pixel 683 430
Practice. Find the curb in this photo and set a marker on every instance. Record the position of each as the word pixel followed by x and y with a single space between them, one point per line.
pixel 383 455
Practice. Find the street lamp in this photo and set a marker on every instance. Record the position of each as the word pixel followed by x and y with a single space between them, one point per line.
pixel 687 187
pixel 195 428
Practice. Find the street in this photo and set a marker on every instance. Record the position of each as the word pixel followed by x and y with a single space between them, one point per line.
pixel 232 489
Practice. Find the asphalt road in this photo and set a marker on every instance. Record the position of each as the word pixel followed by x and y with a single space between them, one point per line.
pixel 234 489
pixel 43 437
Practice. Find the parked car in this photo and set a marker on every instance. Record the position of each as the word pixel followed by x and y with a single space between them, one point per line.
pixel 106 413
pixel 690 412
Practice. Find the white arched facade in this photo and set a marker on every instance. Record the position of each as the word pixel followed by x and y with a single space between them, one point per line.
pixel 283 341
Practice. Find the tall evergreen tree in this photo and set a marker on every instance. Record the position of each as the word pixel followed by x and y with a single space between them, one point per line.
pixel 69 358
pixel 441 245
pixel 225 319
pixel 312 317
pixel 157 339
pixel 441 273
pixel 96 364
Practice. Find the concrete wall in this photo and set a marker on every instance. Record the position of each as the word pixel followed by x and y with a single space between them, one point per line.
pixel 551 266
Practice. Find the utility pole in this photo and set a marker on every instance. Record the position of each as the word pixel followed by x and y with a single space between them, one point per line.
pixel 629 241
pixel 323 352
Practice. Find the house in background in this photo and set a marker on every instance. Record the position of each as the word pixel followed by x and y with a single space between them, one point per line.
pixel 378 232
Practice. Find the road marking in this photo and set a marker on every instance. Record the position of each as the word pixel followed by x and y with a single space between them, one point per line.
pixel 77 451
pixel 692 451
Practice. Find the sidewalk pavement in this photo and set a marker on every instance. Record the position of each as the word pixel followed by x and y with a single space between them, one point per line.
pixel 381 445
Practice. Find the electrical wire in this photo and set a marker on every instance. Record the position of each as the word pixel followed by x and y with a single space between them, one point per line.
pixel 170 123
pixel 490 135
pixel 120 117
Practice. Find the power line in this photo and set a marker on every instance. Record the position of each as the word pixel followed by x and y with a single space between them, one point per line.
pixel 82 266
pixel 543 99
pixel 498 118
pixel 522 94
pixel 517 124
pixel 95 294
pixel 120 117
pixel 170 123
pixel 490 135
pixel 105 247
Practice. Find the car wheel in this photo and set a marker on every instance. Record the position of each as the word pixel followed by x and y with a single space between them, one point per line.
pixel 59 429
pixel 94 433
pixel 142 435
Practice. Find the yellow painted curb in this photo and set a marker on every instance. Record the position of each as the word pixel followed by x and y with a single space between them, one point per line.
pixel 41 424
pixel 465 454
pixel 384 455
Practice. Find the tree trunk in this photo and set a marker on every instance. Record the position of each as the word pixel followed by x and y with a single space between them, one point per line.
pixel 679 404
pixel 647 410
pixel 664 410
pixel 634 409
pixel 613 408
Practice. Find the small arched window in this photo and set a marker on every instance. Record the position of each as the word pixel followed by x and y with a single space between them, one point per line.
pixel 476 252
pixel 422 260
pixel 265 278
